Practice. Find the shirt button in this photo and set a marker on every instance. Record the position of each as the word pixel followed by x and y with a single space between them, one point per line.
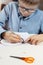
pixel 20 27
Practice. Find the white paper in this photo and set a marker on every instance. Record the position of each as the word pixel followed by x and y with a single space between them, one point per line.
pixel 22 35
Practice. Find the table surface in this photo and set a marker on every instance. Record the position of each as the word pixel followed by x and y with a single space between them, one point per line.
pixel 21 50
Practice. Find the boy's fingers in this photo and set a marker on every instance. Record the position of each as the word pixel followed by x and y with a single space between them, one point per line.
pixel 31 40
pixel 34 42
pixel 13 40
pixel 12 37
pixel 27 40
pixel 16 36
pixel 39 41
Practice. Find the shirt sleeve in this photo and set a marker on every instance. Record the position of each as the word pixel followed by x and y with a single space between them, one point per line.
pixel 4 15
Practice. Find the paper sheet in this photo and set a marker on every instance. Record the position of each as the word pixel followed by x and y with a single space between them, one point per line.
pixel 23 35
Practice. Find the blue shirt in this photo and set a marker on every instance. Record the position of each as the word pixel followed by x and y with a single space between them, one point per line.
pixel 11 20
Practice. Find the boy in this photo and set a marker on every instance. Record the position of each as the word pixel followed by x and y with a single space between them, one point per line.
pixel 23 16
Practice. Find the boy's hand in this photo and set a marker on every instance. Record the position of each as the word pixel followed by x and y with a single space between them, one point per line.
pixel 12 37
pixel 35 39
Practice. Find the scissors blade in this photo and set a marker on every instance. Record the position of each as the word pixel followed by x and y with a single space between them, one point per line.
pixel 17 57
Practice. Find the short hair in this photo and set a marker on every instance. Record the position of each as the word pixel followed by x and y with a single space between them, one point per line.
pixel 30 1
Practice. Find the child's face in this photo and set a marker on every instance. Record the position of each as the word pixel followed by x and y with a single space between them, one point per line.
pixel 27 10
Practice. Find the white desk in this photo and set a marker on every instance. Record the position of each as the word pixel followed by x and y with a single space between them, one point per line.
pixel 22 50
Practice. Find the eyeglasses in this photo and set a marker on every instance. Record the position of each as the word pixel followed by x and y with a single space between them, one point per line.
pixel 27 9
